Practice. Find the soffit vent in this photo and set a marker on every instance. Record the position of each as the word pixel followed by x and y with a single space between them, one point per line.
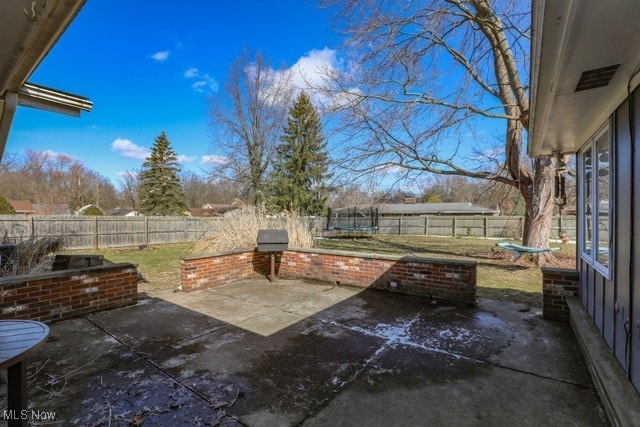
pixel 597 77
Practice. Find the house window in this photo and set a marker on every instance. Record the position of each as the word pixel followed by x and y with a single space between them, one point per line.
pixel 596 224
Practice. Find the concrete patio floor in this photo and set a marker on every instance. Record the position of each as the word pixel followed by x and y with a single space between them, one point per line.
pixel 294 352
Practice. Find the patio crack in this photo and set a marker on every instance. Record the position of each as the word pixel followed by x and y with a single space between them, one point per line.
pixel 395 335
pixel 143 356
pixel 399 335
pixel 545 377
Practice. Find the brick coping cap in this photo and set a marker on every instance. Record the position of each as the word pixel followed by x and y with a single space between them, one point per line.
pixel 11 280
pixel 407 258
pixel 552 270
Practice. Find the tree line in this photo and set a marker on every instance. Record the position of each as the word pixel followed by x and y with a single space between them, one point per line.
pixel 56 179
pixel 424 88
pixel 295 181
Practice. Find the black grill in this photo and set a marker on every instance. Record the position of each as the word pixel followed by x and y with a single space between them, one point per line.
pixel 273 240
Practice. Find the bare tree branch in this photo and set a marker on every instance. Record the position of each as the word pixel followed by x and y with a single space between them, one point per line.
pixel 246 120
pixel 423 78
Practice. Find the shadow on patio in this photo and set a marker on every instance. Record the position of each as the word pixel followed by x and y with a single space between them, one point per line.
pixel 296 352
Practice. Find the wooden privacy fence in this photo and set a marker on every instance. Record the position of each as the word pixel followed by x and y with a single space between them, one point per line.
pixel 80 232
pixel 509 227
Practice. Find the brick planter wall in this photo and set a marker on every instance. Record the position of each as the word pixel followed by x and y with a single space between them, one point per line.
pixel 442 280
pixel 213 270
pixel 557 284
pixel 68 293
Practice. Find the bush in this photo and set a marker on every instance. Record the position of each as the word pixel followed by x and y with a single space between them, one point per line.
pixel 239 229
pixel 5 206
pixel 31 255
pixel 93 210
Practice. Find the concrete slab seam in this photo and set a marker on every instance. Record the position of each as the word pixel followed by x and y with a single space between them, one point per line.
pixel 142 356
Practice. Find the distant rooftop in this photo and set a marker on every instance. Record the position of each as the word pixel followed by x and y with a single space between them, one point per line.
pixel 465 208
pixel 22 206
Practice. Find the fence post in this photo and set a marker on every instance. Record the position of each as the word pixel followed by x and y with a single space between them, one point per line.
pixel 486 227
pixel 426 225
pixel 95 232
pixel 521 227
pixel 146 230
pixel 455 225
pixel 186 229
pixel 32 226
pixel 560 225
pixel 400 225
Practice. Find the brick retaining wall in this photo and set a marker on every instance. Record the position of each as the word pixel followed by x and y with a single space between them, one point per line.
pixel 223 268
pixel 442 280
pixel 68 293
pixel 557 284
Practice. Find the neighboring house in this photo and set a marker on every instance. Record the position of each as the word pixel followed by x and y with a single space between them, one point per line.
pixel 121 212
pixel 24 207
pixel 420 209
pixel 28 30
pixel 57 209
pixel 585 100
pixel 204 212
pixel 220 209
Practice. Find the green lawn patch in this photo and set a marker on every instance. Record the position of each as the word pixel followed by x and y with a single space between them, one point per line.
pixel 498 276
pixel 159 265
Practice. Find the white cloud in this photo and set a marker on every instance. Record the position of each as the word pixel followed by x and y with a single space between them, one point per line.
pixel 191 72
pixel 389 169
pixel 312 69
pixel 214 160
pixel 203 82
pixel 161 56
pixel 54 154
pixel 313 73
pixel 127 148
pixel 185 159
pixel 127 173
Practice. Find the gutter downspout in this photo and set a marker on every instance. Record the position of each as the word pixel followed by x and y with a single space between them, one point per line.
pixel 6 118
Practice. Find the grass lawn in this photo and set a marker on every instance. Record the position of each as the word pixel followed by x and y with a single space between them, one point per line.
pixel 159 265
pixel 498 276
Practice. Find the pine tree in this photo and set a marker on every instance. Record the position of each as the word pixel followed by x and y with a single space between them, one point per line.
pixel 298 182
pixel 5 206
pixel 93 210
pixel 160 190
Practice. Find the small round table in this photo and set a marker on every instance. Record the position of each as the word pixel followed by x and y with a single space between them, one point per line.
pixel 18 339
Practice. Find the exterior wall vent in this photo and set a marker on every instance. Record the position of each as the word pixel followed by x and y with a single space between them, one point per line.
pixel 597 77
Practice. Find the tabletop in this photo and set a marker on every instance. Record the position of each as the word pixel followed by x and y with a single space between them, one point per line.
pixel 18 338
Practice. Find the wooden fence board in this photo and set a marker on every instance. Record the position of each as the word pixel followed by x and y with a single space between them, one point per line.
pixel 101 232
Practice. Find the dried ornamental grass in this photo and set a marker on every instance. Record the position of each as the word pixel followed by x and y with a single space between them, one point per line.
pixel 31 255
pixel 239 229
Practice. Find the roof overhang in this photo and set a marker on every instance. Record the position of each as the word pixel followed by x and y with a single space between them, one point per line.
pixel 28 30
pixel 568 38
pixel 44 98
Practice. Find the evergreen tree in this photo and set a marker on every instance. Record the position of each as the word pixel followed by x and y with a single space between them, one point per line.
pixel 160 189
pixel 5 206
pixel 93 210
pixel 301 164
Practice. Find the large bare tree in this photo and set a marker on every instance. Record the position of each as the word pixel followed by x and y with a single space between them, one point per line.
pixel 431 82
pixel 246 119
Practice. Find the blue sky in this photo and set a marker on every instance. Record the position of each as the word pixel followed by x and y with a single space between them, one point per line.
pixel 148 67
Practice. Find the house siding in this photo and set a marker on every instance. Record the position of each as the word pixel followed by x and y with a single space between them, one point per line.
pixel 634 292
pixel 611 303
